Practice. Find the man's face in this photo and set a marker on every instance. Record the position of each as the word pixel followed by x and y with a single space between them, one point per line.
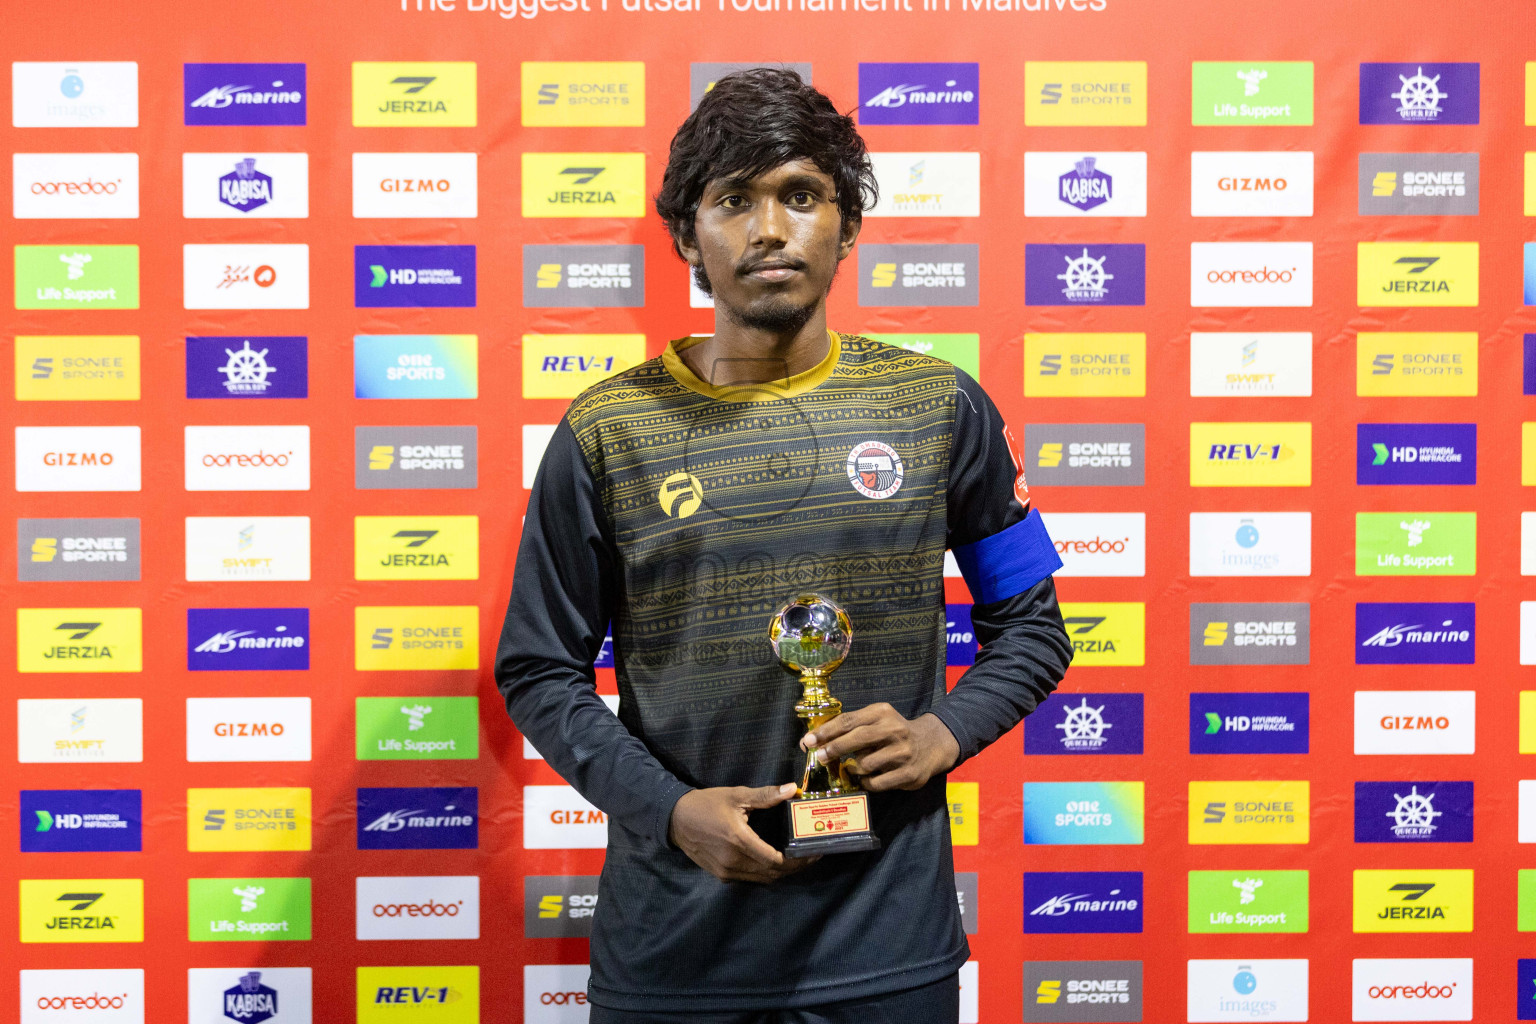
pixel 770 245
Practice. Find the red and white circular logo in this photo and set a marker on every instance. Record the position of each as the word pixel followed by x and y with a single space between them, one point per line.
pixel 875 470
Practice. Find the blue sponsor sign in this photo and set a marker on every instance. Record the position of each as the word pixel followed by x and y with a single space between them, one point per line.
pixel 413 276
pixel 81 820
pixel 248 367
pixel 437 818
pixel 247 639
pixel 1085 275
pixel 1530 274
pixel 919 93
pixel 1079 902
pixel 1249 723
pixel 1525 993
pixel 1085 723
pixel 415 366
pixel 244 93
pixel 605 653
pixel 1415 633
pixel 1413 812
pixel 1419 93
pixel 959 638
pixel 1416 453
pixel 1084 813
pixel 1530 361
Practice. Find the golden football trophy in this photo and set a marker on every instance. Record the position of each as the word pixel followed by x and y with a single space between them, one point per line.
pixel 830 814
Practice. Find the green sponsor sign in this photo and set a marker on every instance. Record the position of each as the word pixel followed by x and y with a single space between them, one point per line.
pixel 418 728
pixel 964 350
pixel 1415 543
pixel 248 909
pixel 1253 92
pixel 1247 901
pixel 1526 915
pixel 77 277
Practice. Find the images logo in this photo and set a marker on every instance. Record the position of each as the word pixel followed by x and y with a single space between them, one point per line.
pixel 1399 900
pixel 1416 453
pixel 1415 184
pixel 418 728
pixel 1419 93
pixel 1083 366
pixel 245 185
pixel 927 184
pixel 1247 990
pixel 1084 454
pixel 1250 543
pixel 418 819
pixel 247 639
pixel 1253 184
pixel 249 995
pixel 1416 543
pixel 1266 92
pixel 567 94
pixel 1413 812
pixel 416 547
pixel 413 276
pixel 563 365
pixel 389 94
pixel 1392 364
pixel 421 907
pixel 224 820
pixel 1412 989
pixel 583 276
pixel 411 185
pixel 1082 990
pixel 1259 274
pixel 74 94
pixel 1086 723
pixel 1085 275
pixel 77 276
pixel 1250 454
pixel 1107 633
pixel 248 367
pixel 1249 812
pixel 1077 902
pixel 1248 723
pixel 416 458
pixel 246 276
pixel 80 820
pixel 1415 634
pixel 584 185
pixel 1085 93
pixel 1415 721
pixel 919 93
pixel 50 550
pixel 82 910
pixel 248 909
pixel 415 366
pixel 80 730
pixel 446 995
pixel 919 275
pixel 79 640
pixel 1248 902
pixel 1084 813
pixel 1417 274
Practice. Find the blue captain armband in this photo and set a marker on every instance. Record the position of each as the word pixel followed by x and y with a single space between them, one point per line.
pixel 1009 562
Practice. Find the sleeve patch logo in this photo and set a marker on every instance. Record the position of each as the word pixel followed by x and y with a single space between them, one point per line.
pixel 875 470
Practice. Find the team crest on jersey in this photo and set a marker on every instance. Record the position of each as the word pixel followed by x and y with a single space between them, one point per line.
pixel 875 470
pixel 680 495
pixel 1020 487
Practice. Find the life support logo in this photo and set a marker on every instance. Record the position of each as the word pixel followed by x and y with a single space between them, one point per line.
pixel 875 470
pixel 680 495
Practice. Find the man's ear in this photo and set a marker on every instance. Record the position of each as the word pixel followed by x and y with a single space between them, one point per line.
pixel 687 247
pixel 847 235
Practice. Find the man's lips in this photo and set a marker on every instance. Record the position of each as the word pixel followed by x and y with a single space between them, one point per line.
pixel 773 271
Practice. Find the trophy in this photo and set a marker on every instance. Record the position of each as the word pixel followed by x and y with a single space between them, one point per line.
pixel 829 814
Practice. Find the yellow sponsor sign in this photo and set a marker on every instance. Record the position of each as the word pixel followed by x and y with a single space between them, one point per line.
pixel 1528 717
pixel 583 184
pixel 1085 92
pixel 248 819
pixel 563 365
pixel 1394 364
pixel 1528 454
pixel 1249 812
pixel 1412 900
pixel 418 995
pixel 1085 365
pixel 77 368
pixel 79 640
pixel 396 637
pixel 82 910
pixel 439 94
pixel 567 94
pixel 1530 93
pixel 416 547
pixel 1106 632
pixel 964 800
pixel 1416 274
pixel 1250 454
pixel 1530 184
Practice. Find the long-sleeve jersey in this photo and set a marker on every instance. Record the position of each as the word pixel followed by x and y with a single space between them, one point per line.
pixel 685 514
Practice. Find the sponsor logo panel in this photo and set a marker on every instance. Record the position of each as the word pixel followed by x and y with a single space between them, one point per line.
pixel 79 640
pixel 964 802
pixel 963 350
pixel 584 185
pixel 244 94
pixel 959 635
pixel 1085 366
pixel 1416 453
pixel 78 996
pixel 1417 274
pixel 95 186
pixel 1418 184
pixel 1077 184
pixel 1250 723
pixel 416 366
pixel 1247 990
pixel 1527 901
pixel 1107 633
pixel 413 276
pixel 702 75
pixel 1246 812
pixel 555 993
pixel 1525 1002
pixel 248 367
pixel 1099 543
pixel 1412 900
pixel 409 94
pixel 1277 633
pixel 431 818
pixel 250 995
pixel 583 276
pixel 1415 543
pixel 1416 633
pixel 415 185
pixel 1530 273
pixel 228 820
pixel 559 818
pixel 563 365
pixel 1411 989
pixel 417 458
pixel 966 894
pixel 77 276
pixel 77 550
pixel 1084 813
pixel 75 94
pixel 1413 812
pixel 1086 723
pixel 1416 721
pixel 1419 93
pixel 1249 364
pixel 247 639
pixel 82 910
pixel 536 438
pixel 1252 184
pixel 1248 902
pixel 420 907
pixel 919 93
pixel 1527 812
pixel 418 728
pixel 245 276
pixel 244 185
pixel 248 729
pixel 1530 191
pixel 77 459
pixel 235 548
pixel 248 910
pixel 1394 364
pixel 569 94
pixel 447 995
pixel 927 184
pixel 1252 92
pixel 1250 543
pixel 1082 990
pixel 77 368
pixel 1086 454
pixel 80 730
pixel 1082 902
pixel 1250 454
pixel 416 547
pixel 560 906
pixel 1085 93
pixel 81 820
pixel 919 275
pixel 404 637
pixel 1085 275
pixel 1260 274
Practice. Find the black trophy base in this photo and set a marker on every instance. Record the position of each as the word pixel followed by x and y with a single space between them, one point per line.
pixel 829 824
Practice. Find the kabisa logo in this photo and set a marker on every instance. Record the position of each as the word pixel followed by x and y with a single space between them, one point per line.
pixel 571 94
pixel 413 276
pixel 389 94
pixel 245 185
pixel 1086 454
pixel 1400 900
pixel 77 368
pixel 1249 812
pixel 249 1001
pixel 244 94
pixel 1419 93
pixel 1076 902
pixel 919 275
pixel 875 469
pixel 1248 902
pixel 1086 723
pixel 1084 366
pixel 82 910
pixel 245 188
pixel 81 820
pixel 1085 186
pixel 1265 92
pixel 1415 722
pixel 1398 364
pixel 1249 723
pixel 1084 813
pixel 1082 990
pixel 77 276
pixel 1077 184
pixel 221 820
pixel 248 909
pixel 1418 184
pixel 919 93
pixel 584 185
pixel 415 458
pixel 1250 543
pixel 416 547
pixel 248 367
pixel 583 276
pixel 1416 274
pixel 418 819
pixel 1415 989
pixel 1085 275
pixel 1416 453
pixel 1246 990
pixel 79 640
pixel 249 639
pixel 418 728
pixel 1085 93
pixel 563 365
pixel 1415 634
pixel 559 906
pixel 415 366
pixel 1250 634
pixel 77 549
pixel 1107 632
pixel 1413 812
pixel 1250 454
pixel 64 730
pixel 959 636
pixel 75 94
pixel 1257 274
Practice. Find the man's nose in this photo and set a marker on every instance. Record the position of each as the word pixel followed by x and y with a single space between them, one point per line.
pixel 770 223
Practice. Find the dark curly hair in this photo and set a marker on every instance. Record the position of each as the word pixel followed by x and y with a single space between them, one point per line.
pixel 750 122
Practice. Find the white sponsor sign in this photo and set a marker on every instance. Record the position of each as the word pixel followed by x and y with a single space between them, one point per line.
pixel 257 276
pixel 1250 274
pixel 245 185
pixel 559 818
pixel 247 458
pixel 1415 721
pixel 418 907
pixel 531 753
pixel 1250 364
pixel 99 186
pixel 1078 184
pixel 696 297
pixel 535 439
pixel 77 458
pixel 206 988
pixel 248 729
pixel 555 993
pixel 1412 989
pixel 1247 990
pixel 1099 543
pixel 970 993
pixel 80 730
pixel 415 185
pixel 80 996
pixel 1527 564
pixel 927 184
pixel 1265 184
pixel 75 94
pixel 234 548
pixel 1527 825
pixel 1250 543
pixel 1527 623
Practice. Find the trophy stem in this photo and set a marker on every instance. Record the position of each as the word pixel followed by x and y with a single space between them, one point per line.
pixel 817 707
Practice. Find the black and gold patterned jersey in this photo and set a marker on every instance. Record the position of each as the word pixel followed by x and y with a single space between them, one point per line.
pixel 683 514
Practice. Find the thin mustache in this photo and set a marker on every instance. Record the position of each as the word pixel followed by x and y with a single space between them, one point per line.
pixel 775 262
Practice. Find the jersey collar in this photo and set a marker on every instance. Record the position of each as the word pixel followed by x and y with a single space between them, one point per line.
pixel 799 384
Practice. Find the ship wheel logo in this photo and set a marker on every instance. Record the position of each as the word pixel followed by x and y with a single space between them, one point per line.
pixel 1419 98
pixel 1415 814
pixel 1083 728
pixel 1084 278
pixel 247 369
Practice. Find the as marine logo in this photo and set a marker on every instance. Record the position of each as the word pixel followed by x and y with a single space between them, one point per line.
pixel 875 469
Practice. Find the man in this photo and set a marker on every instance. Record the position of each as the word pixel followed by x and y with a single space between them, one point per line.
pixel 687 499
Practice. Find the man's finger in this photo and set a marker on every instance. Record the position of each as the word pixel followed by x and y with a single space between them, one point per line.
pixel 764 796
pixel 862 738
pixel 833 728
pixel 897 778
pixel 750 845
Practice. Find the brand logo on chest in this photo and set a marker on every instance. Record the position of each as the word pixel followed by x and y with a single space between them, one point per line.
pixel 875 470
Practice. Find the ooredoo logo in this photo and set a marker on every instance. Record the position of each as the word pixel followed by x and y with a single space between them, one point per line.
pixel 422 907
pixel 102 996
pixel 1412 989
pixel 1099 544
pixel 1250 274
pixel 247 458
pixel 555 993
pixel 94 186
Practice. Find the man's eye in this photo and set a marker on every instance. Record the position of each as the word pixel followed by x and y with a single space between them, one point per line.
pixel 733 202
pixel 802 198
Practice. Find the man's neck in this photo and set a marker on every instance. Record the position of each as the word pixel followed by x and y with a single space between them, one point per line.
pixel 738 354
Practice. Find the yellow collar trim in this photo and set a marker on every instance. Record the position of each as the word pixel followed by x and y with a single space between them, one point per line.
pixel 774 391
